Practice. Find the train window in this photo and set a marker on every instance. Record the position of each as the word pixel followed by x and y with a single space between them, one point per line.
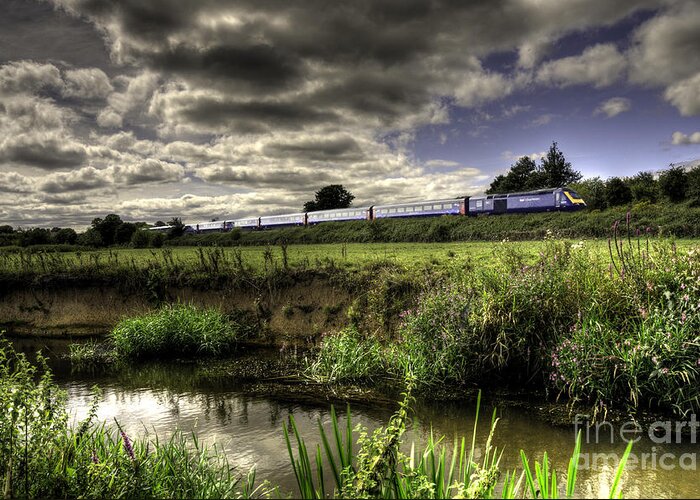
pixel 401 210
pixel 437 207
pixel 427 207
pixel 392 210
pixel 479 204
pixel 409 209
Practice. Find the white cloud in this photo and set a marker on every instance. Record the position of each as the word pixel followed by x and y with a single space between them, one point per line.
pixel 666 46
pixel 613 107
pixel 685 95
pixel 28 76
pixel 87 83
pixel 679 138
pixel 541 120
pixel 600 65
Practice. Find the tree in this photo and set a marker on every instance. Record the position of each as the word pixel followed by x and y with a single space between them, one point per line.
pixel 617 192
pixel 6 229
pixel 90 238
pixel 556 171
pixel 65 236
pixel 159 223
pixel 644 187
pixel 177 227
pixel 693 191
pixel 329 197
pixel 673 183
pixel 107 227
pixel 592 191
pixel 124 232
pixel 518 178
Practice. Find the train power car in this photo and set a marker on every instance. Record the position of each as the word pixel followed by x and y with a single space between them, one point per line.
pixel 542 200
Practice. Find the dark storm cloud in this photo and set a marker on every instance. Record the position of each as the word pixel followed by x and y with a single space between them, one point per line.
pixel 35 31
pixel 44 153
pixel 256 66
pixel 246 117
pixel 333 149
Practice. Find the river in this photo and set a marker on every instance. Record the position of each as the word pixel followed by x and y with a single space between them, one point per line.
pixel 246 423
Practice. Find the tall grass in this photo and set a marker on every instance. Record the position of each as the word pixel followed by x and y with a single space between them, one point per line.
pixel 176 330
pixel 620 333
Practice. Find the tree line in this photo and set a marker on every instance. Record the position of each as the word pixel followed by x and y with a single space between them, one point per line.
pixel 103 232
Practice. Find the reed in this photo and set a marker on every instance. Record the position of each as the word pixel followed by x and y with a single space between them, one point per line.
pixel 379 468
pixel 176 330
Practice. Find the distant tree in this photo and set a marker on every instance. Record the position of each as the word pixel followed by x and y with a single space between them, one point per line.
pixel 555 170
pixel 644 187
pixel 329 197
pixel 107 228
pixel 124 232
pixel 617 192
pixel 518 178
pixel 35 236
pixel 90 238
pixel 177 227
pixel 66 236
pixel 693 191
pixel 159 223
pixel 140 238
pixel 6 229
pixel 592 191
pixel 674 183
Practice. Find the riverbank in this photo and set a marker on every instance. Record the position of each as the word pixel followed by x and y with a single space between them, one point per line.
pixel 611 327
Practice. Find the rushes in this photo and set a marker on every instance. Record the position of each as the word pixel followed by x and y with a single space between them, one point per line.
pixel 380 469
pixel 176 330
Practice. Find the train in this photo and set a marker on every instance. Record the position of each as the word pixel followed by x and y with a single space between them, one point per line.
pixel 542 200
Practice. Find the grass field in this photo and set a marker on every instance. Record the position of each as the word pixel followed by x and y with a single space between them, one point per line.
pixel 261 258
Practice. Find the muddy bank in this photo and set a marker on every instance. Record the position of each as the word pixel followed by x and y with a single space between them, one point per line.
pixel 294 314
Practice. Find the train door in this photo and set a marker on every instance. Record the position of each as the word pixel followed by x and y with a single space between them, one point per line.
pixel 557 199
pixel 500 206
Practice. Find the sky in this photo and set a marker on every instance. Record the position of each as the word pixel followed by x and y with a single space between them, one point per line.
pixel 154 109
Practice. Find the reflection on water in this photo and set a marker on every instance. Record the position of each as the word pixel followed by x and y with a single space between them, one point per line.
pixel 159 398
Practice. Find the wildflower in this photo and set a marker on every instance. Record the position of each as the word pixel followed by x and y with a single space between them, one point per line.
pixel 643 312
pixel 686 297
pixel 654 360
pixel 95 460
pixel 664 371
pixel 683 317
pixel 682 286
pixel 650 287
pixel 127 446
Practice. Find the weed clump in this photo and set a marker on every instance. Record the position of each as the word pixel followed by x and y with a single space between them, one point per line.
pixel 176 330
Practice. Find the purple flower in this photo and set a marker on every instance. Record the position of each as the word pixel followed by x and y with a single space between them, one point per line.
pixel 95 460
pixel 127 446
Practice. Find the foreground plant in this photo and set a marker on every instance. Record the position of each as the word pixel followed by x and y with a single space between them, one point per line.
pixel 43 456
pixel 379 469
